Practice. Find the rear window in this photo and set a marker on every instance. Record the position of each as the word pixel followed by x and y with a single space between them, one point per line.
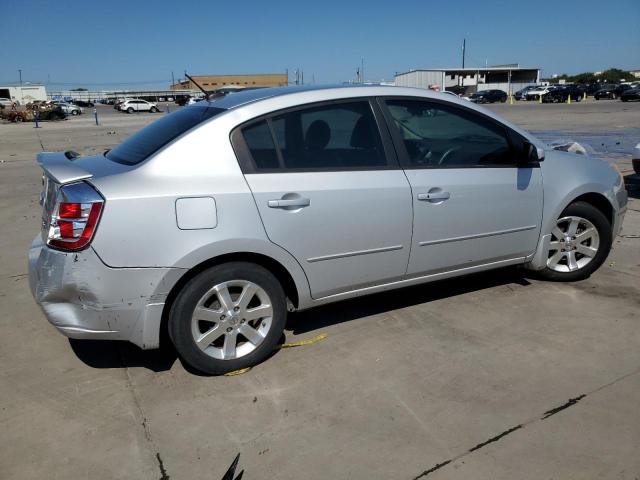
pixel 152 138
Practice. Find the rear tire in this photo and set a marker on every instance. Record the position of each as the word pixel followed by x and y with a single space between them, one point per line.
pixel 234 327
pixel 153 110
pixel 566 260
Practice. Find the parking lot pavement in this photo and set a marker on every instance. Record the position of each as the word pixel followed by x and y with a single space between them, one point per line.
pixel 446 380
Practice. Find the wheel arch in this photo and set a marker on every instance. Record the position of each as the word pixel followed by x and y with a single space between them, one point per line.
pixel 598 201
pixel 274 266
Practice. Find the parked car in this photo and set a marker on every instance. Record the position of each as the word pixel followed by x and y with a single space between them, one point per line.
pixel 6 102
pixel 119 101
pixel 611 91
pixel 457 89
pixel 83 103
pixel 137 105
pixel 68 108
pixel 630 94
pixel 536 93
pixel 216 220
pixel 488 96
pixel 561 93
pixel 520 94
pixel 182 100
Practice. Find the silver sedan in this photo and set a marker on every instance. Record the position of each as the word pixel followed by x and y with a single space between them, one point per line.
pixel 216 220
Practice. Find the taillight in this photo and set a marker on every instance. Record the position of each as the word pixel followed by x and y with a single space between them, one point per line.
pixel 75 217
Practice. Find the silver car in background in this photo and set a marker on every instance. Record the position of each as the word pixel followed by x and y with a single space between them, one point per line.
pixel 68 108
pixel 214 221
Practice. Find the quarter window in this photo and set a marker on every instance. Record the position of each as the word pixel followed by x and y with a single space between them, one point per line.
pixel 440 136
pixel 329 137
pixel 261 146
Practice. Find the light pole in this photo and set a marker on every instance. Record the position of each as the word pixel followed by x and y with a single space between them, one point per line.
pixel 20 75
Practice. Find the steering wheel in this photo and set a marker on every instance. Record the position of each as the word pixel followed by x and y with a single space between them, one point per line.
pixel 446 154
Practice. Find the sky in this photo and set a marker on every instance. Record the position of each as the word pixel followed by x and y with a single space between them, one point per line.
pixel 135 43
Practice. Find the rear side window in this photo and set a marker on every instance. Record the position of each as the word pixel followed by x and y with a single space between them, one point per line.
pixel 338 136
pixel 439 136
pixel 152 138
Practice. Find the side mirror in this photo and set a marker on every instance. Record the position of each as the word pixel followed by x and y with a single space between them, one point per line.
pixel 532 154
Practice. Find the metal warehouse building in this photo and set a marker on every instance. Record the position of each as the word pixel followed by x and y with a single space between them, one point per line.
pixel 508 78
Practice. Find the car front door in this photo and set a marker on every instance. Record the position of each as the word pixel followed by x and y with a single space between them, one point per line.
pixel 330 192
pixel 474 203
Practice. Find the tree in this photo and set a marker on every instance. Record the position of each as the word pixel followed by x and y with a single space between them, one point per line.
pixel 615 75
pixel 78 90
pixel 612 75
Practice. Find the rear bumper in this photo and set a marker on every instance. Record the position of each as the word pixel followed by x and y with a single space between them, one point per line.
pixel 83 298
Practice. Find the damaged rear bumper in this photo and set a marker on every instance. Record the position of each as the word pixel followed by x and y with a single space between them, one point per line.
pixel 84 298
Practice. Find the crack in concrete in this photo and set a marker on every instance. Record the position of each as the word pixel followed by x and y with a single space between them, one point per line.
pixel 145 422
pixel 163 472
pixel 569 403
pixel 495 439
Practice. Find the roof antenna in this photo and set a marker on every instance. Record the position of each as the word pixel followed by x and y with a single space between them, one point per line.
pixel 206 94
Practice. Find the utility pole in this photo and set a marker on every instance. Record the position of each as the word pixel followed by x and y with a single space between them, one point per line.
pixel 464 46
pixel 173 80
pixel 20 75
pixel 361 69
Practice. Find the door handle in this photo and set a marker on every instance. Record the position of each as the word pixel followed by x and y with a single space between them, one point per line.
pixel 434 196
pixel 293 202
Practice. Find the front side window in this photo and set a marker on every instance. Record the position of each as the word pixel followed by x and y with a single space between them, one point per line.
pixel 329 137
pixel 442 136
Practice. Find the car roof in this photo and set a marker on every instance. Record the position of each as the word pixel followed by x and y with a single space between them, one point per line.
pixel 313 93
pixel 298 95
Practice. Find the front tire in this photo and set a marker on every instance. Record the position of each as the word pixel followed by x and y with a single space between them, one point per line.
pixel 130 110
pixel 580 243
pixel 228 317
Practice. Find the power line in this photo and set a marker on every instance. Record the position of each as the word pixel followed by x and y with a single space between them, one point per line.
pixel 93 84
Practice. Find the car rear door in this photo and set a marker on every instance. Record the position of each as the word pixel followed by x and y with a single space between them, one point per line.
pixel 473 203
pixel 330 191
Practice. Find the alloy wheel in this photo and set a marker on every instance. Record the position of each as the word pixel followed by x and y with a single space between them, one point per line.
pixel 574 244
pixel 232 319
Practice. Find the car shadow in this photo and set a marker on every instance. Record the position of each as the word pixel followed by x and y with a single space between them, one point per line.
pixel 632 184
pixel 347 310
pixel 104 354
pixel 120 354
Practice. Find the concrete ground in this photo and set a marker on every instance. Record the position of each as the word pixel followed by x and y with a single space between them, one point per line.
pixel 494 376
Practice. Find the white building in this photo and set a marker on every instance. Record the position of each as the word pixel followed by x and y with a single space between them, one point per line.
pixel 23 93
pixel 508 78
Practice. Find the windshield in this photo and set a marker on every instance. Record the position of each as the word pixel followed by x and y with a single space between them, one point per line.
pixel 152 138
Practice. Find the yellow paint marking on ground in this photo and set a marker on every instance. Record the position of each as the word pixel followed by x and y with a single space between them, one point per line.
pixel 308 341
pixel 237 372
